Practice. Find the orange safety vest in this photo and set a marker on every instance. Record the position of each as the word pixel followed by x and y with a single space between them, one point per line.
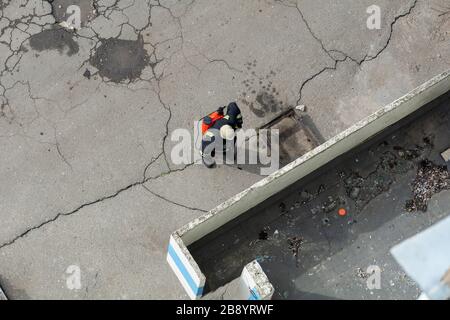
pixel 210 120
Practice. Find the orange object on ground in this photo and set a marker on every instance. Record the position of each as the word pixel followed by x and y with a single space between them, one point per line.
pixel 342 212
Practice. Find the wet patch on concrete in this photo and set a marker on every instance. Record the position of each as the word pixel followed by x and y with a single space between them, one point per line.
pixel 261 96
pixel 60 10
pixel 120 60
pixel 266 103
pixel 55 39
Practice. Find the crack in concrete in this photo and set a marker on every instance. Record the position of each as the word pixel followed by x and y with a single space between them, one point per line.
pixel 108 197
pixel 107 11
pixel 21 124
pixel 171 201
pixel 336 61
pixel 408 12
pixel 13 24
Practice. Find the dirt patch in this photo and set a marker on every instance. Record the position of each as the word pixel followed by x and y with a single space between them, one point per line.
pixel 55 39
pixel 295 244
pixel 399 161
pixel 431 179
pixel 263 235
pixel 120 60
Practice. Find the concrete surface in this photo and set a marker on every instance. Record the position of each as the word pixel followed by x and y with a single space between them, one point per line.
pixel 86 117
pixel 309 251
pixel 426 259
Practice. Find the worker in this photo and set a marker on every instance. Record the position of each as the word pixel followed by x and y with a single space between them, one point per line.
pixel 219 130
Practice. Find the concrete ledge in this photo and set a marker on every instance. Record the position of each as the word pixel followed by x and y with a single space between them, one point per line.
pixel 185 268
pixel 300 168
pixel 257 284
pixel 253 284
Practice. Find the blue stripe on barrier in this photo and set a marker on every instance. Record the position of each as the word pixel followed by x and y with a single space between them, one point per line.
pixel 254 295
pixel 195 289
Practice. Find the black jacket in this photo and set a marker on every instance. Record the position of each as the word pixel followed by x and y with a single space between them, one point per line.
pixel 234 116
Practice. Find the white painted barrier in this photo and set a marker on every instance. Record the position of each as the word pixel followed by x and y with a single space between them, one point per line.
pixel 300 168
pixel 257 285
pixel 252 284
pixel 185 268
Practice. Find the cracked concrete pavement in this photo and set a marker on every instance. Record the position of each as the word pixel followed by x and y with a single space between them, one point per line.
pixel 86 117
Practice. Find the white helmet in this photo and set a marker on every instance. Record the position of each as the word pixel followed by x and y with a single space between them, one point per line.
pixel 227 132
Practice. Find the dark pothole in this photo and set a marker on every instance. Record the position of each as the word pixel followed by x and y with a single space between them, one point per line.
pixel 120 60
pixel 55 39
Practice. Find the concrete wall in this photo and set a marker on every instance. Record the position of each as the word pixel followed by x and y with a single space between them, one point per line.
pixel 256 284
pixel 185 268
pixel 330 150
pixel 253 284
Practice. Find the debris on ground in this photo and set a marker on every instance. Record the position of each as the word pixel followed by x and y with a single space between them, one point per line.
pixel 332 203
pixel 301 108
pixel 354 192
pixel 87 74
pixel 276 234
pixel 362 274
pixel 362 190
pixel 306 197
pixel 263 235
pixel 321 189
pixel 294 245
pixel 431 179
pixel 315 210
